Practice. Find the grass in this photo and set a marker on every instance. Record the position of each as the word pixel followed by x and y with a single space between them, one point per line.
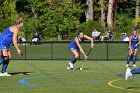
pixel 52 77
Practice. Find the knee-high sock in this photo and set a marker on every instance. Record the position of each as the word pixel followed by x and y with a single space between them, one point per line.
pixel 128 59
pixel 134 59
pixel 5 65
pixel 73 60
pixel 135 71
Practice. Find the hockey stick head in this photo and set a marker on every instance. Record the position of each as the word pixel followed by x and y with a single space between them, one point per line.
pixel 21 53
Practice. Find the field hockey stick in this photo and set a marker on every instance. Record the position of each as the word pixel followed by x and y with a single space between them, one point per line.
pixel 135 48
pixel 85 60
pixel 21 53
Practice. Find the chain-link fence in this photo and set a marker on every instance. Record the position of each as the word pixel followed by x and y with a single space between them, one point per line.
pixel 58 50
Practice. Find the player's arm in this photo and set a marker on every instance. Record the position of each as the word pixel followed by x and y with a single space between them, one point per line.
pixel 15 31
pixel 89 38
pixel 130 42
pixel 80 48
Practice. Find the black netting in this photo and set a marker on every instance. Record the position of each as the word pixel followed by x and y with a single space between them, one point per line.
pixel 59 50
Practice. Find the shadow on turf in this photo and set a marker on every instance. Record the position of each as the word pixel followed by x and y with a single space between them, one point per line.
pixel 133 88
pixel 23 73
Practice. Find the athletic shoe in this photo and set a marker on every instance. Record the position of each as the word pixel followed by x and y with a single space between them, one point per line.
pixel 71 66
pixel 68 67
pixel 4 74
pixel 134 65
pixel 127 65
pixel 128 73
pixel 1 74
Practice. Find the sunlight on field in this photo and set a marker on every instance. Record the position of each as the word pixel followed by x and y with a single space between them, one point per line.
pixel 52 77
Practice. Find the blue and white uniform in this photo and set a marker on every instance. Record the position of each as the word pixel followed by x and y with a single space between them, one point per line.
pixel 73 45
pixel 6 38
pixel 134 41
pixel 133 46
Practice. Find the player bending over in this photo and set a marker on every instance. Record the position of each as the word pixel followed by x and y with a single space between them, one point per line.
pixel 134 41
pixel 130 72
pixel 75 46
pixel 8 36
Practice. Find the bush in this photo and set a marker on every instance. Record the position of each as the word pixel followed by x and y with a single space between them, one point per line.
pixel 4 23
pixel 124 24
pixel 89 26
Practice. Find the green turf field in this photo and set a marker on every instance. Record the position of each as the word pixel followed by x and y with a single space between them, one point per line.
pixel 52 77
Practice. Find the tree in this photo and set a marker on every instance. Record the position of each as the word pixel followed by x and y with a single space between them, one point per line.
pixel 1 8
pixel 58 18
pixel 111 14
pixel 7 13
pixel 89 12
pixel 9 9
pixel 137 12
pixel 33 8
pixel 102 4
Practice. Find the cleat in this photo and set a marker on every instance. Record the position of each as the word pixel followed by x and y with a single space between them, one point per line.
pixel 134 65
pixel 71 68
pixel 128 73
pixel 127 65
pixel 71 65
pixel 68 67
pixel 1 74
pixel 5 74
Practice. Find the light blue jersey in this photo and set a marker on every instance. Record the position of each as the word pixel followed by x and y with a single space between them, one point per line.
pixel 6 38
pixel 73 45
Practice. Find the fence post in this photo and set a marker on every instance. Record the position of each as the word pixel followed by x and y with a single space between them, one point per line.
pixel 51 50
pixel 107 51
pixel 25 51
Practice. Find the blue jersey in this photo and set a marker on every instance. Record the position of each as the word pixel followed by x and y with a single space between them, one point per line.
pixel 6 38
pixel 134 40
pixel 73 45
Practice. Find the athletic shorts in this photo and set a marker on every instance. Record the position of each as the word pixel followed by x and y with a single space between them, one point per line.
pixel 4 47
pixel 133 47
pixel 71 47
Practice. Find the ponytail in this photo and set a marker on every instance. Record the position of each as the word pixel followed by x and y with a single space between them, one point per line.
pixel 18 20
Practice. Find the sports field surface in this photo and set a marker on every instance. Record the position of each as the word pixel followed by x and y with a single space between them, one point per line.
pixel 53 77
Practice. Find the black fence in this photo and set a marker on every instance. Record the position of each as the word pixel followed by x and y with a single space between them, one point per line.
pixel 58 50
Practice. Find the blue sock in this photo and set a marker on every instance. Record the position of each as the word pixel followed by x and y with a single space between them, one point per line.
pixel 135 71
pixel 128 59
pixel 73 60
pixel 5 65
pixel 134 59
pixel 1 60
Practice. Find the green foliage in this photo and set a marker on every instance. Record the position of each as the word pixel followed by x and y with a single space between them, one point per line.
pixel 4 23
pixel 124 24
pixel 137 20
pixel 61 18
pixel 9 9
pixel 58 18
pixel 28 29
pixel 89 26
